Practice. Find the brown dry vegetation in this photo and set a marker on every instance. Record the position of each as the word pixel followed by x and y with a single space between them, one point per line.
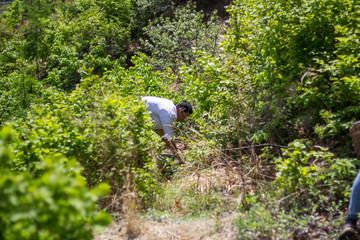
pixel 225 177
pixel 221 177
pixel 214 228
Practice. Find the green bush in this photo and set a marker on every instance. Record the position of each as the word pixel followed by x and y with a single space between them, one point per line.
pixel 13 13
pixel 92 38
pixel 59 38
pixel 316 176
pixel 217 93
pixel 141 80
pixel 19 91
pixel 171 41
pixel 53 204
pixel 300 57
pixel 257 223
pixel 105 132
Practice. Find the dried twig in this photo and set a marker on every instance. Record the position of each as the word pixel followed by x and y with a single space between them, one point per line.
pixel 256 145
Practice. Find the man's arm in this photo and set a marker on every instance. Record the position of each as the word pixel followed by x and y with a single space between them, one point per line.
pixel 171 144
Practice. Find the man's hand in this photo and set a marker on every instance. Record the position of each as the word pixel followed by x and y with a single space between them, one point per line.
pixel 181 161
pixel 174 150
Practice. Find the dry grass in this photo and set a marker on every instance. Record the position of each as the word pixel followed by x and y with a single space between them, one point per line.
pixel 210 229
pixel 225 179
pixel 216 226
pixel 131 207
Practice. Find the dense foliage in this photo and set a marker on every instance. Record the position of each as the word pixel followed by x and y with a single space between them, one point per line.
pixel 171 41
pixel 53 204
pixel 302 61
pixel 275 89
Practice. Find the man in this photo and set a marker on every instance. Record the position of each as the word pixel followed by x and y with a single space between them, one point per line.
pixel 349 228
pixel 165 113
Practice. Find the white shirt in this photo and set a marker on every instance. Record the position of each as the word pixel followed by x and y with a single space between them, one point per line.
pixel 163 112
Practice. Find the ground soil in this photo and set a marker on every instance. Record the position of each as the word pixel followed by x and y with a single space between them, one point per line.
pixel 207 229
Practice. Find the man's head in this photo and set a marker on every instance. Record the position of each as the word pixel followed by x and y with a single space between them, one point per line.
pixel 183 109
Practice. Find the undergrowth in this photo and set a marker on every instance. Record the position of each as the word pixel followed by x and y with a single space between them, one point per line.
pixel 267 206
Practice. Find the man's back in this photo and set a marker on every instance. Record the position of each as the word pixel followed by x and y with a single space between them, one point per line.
pixel 163 112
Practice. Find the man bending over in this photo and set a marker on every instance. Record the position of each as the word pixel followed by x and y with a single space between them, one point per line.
pixel 165 113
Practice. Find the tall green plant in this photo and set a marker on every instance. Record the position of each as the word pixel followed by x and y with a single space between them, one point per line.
pixel 19 91
pixel 36 12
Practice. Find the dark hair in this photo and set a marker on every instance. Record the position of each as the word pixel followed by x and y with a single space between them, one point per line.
pixel 186 106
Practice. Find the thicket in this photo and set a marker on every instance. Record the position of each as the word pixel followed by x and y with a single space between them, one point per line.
pixel 53 204
pixel 275 89
pixel 302 66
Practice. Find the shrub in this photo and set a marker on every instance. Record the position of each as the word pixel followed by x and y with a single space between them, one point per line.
pixel 257 223
pixel 141 80
pixel 106 133
pixel 217 94
pixel 53 204
pixel 170 42
pixel 312 174
pixel 18 92
pixel 92 38
pixel 301 60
